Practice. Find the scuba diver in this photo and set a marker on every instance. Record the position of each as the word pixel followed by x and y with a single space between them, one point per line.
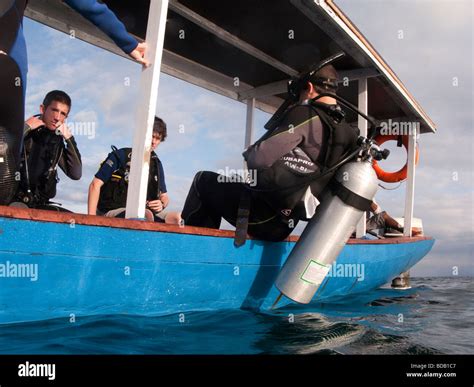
pixel 307 137
pixel 47 144
pixel 108 190
pixel 14 68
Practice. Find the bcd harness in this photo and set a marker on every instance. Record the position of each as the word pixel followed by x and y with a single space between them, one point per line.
pixel 45 187
pixel 284 184
pixel 113 193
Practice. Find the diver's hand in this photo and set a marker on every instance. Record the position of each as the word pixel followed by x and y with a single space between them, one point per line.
pixel 155 205
pixel 139 54
pixel 34 122
pixel 63 130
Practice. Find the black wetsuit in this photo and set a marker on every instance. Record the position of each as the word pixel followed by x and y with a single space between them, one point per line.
pixel 44 150
pixel 211 199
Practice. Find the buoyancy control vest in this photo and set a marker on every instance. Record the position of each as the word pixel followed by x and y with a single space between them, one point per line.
pixel 284 184
pixel 113 193
pixel 41 154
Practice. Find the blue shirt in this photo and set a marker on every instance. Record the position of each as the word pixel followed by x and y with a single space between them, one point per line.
pixel 111 164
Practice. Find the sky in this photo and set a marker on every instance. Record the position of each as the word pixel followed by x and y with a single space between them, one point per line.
pixel 434 59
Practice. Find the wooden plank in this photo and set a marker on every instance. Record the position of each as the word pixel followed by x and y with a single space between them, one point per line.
pixel 358 74
pixel 202 76
pixel 101 221
pixel 229 38
pixel 62 18
pixel 273 88
pixel 281 87
pixel 148 97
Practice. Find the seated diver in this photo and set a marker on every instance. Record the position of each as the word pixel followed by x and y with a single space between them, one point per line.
pixel 382 220
pixel 47 144
pixel 311 137
pixel 108 189
pixel 14 68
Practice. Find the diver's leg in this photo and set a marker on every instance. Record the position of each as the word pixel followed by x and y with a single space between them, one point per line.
pixel 210 199
pixel 267 224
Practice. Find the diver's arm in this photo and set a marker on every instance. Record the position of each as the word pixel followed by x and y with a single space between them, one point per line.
pixel 94 194
pixel 105 19
pixel 70 161
pixel 164 198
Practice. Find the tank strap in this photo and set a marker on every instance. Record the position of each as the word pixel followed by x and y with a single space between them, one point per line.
pixel 349 197
pixel 242 221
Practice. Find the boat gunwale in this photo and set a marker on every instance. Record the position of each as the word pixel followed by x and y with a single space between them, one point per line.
pixel 140 225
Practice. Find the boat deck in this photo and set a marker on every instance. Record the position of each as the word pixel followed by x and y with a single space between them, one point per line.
pixel 102 221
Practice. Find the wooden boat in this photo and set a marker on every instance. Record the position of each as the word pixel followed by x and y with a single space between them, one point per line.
pixel 55 264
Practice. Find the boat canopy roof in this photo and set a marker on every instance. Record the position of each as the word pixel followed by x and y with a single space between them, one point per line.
pixel 250 48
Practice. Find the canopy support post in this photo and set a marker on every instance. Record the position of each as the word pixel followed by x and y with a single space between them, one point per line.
pixel 148 96
pixel 249 122
pixel 362 125
pixel 403 280
pixel 249 129
pixel 410 189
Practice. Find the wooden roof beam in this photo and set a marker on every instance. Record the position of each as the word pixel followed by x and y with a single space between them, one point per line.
pixel 280 87
pixel 229 38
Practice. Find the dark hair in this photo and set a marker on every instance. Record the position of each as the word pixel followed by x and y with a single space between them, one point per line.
pixel 328 72
pixel 160 127
pixel 57 96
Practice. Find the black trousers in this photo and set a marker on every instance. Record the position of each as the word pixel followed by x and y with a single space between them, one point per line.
pixel 11 126
pixel 212 198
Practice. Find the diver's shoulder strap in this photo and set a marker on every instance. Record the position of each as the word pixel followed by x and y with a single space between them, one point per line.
pixel 349 197
pixel 116 151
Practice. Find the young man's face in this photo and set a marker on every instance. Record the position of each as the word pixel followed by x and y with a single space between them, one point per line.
pixel 54 114
pixel 155 141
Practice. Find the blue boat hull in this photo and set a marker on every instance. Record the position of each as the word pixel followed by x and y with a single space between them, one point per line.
pixel 85 269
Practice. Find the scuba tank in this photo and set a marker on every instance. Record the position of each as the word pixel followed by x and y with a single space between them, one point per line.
pixel 350 194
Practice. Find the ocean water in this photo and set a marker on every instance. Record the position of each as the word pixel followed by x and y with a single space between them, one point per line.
pixel 435 316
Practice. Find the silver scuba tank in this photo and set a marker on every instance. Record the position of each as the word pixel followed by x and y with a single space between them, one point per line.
pixel 352 190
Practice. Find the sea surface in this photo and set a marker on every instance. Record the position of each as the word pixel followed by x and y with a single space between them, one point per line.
pixel 435 316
